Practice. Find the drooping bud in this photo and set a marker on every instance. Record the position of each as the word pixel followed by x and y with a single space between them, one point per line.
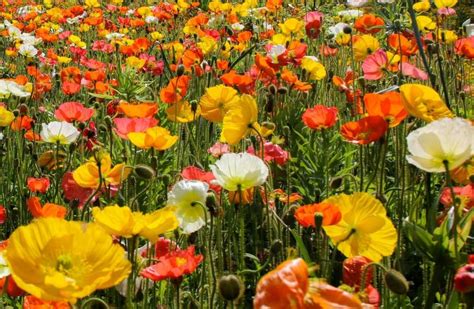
pixel 396 282
pixel 144 171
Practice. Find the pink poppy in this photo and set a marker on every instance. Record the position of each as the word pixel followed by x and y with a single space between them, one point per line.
pixel 410 70
pixel 72 191
pixel 374 65
pixel 218 149
pixel 127 125
pixel 73 111
pixel 272 152
pixel 446 11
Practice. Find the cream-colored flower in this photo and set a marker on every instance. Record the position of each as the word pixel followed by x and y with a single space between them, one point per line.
pixel 59 132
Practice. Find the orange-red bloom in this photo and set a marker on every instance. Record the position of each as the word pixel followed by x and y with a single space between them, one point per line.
pixel 48 210
pixel 320 117
pixel 73 111
pixel 141 110
pixel 369 23
pixel 173 265
pixel 32 302
pixel 401 44
pixel 175 90
pixel 40 185
pixel 365 130
pixel 388 105
pixel 306 213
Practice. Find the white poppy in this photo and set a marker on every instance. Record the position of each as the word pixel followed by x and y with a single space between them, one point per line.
pixel 188 198
pixel 59 132
pixel 234 171
pixel 28 50
pixel 448 140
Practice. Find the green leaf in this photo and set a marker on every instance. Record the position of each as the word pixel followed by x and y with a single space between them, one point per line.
pixel 301 246
pixel 420 238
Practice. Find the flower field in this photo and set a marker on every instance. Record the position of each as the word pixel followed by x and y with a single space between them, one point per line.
pixel 248 154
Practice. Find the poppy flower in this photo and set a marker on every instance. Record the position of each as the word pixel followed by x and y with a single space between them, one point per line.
pixel 122 221
pixel 375 65
pixel 217 101
pixel 173 265
pixel 239 120
pixel 74 248
pixel 156 137
pixel 305 214
pixel 123 126
pixel 244 197
pixel 465 47
pixel 59 132
pixel 40 185
pixel 313 23
pixel 364 131
pixel 402 45
pixel 195 173
pixel 73 111
pixel 364 45
pixel 140 110
pixel 316 70
pixel 320 117
pixel 3 214
pixel 412 71
pixel 464 279
pixel 183 112
pixel 364 230
pixel 175 90
pixel 22 123
pixel 387 105
pixel 271 152
pixel 369 23
pixel 74 192
pixel 283 287
pixel 423 102
pixel 31 302
pixel 48 210
pixel 465 195
pixel 323 295
pixel 352 270
pixel 6 117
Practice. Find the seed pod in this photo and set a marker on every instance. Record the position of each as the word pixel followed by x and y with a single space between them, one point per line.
pixel 276 247
pixel 396 282
pixel 230 287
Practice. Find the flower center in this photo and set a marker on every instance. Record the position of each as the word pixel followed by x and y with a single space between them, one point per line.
pixel 180 261
pixel 64 263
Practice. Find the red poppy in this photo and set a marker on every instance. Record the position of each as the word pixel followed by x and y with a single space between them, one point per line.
pixel 173 265
pixel 352 269
pixel 48 210
pixel 74 192
pixel 73 111
pixel 123 126
pixel 369 23
pixel 12 288
pixel 365 130
pixel 71 80
pixel 163 246
pixel 195 173
pixel 465 47
pixel 465 194
pixel 320 117
pixel 3 214
pixel 32 302
pixel 305 214
pixel 464 279
pixel 22 122
pixel 40 185
pixel 387 105
pixel 313 22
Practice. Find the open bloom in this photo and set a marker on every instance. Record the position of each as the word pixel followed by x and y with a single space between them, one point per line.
pixel 239 171
pixel 59 132
pixel 364 228
pixel 188 198
pixel 173 265
pixel 424 102
pixel 48 210
pixel 59 260
pixel 216 102
pixel 448 140
pixel 306 213
pixel 239 120
pixel 121 221
pixel 320 117
pixel 365 130
pixel 73 111
pixel 129 125
pixel 40 185
pixel 364 45
pixel 155 137
pixel 6 117
pixel 88 175
pixel 387 105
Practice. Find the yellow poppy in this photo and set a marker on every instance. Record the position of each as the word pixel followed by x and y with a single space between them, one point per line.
pixel 87 175
pixel 422 6
pixel 316 70
pixel 365 45
pixel 58 260
pixel 121 221
pixel 216 101
pixel 292 26
pixel 6 117
pixel 182 112
pixel 425 24
pixel 365 229
pixel 239 120
pixel 423 102
pixel 156 137
pixel 445 3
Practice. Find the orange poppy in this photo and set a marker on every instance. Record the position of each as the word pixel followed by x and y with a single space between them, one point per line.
pixel 388 105
pixel 292 79
pixel 465 47
pixel 306 213
pixel 32 136
pixel 283 287
pixel 401 44
pixel 22 122
pixel 32 302
pixel 141 110
pixel 369 23
pixel 175 90
pixel 247 197
pixel 365 130
pixel 244 83
pixel 320 117
pixel 40 185
pixel 48 210
pixel 323 295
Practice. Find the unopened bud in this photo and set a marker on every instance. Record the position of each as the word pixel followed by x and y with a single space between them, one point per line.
pixel 347 30
pixel 23 109
pixel 318 220
pixel 335 182
pixel 230 287
pixel 144 171
pixel 180 70
pixel 396 282
pixel 276 247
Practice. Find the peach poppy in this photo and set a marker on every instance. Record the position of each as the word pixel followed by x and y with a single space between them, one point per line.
pixel 365 130
pixel 48 210
pixel 73 111
pixel 140 110
pixel 320 117
pixel 369 23
pixel 306 213
pixel 123 126
pixel 324 295
pixel 388 105
pixel 175 90
pixel 283 287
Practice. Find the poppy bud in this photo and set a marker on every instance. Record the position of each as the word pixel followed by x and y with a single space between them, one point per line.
pixel 194 105
pixel 96 105
pixel 272 89
pixel 270 126
pixel 16 113
pixel 332 44
pixel 230 287
pixel 396 282
pixel 282 90
pixel 335 182
pixel 144 171
pixel 269 104
pixel 81 126
pixel 72 147
pixel 318 220
pixel 347 30
pixel 329 36
pixel 211 204
pixel 276 247
pixel 180 70
pixel 108 121
pixel 102 128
